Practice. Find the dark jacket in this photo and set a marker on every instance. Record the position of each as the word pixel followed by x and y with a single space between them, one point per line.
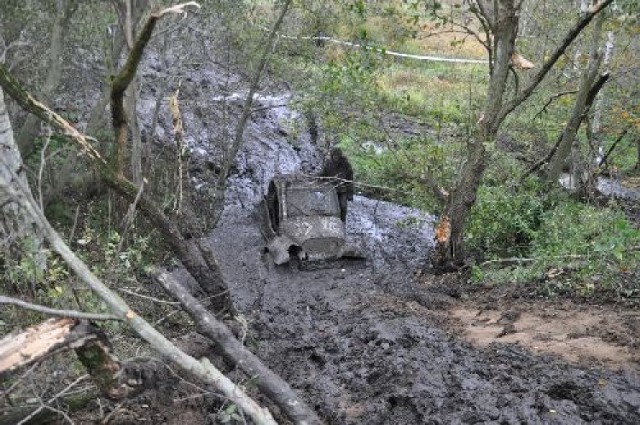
pixel 338 166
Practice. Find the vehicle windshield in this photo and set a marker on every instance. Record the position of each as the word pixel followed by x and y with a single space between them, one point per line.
pixel 311 201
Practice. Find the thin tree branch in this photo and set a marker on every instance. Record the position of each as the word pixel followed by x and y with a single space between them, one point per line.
pixel 52 399
pixel 430 58
pixel 615 143
pixel 571 35
pixel 230 155
pixel 551 99
pixel 43 162
pixel 146 297
pixel 543 161
pixel 74 314
pixel 129 217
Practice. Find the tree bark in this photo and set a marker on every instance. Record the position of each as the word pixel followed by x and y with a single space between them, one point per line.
pixel 585 96
pixel 15 226
pixel 97 117
pixel 131 98
pixel 120 84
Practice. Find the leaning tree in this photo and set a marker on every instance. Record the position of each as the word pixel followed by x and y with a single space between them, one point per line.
pixel 498 21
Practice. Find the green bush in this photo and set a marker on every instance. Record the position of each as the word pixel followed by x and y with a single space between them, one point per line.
pixel 573 229
pixel 572 247
pixel 503 223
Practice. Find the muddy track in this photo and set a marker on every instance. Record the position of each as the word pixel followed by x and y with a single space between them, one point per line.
pixel 365 347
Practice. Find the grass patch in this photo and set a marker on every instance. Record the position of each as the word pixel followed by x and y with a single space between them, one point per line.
pixel 437 91
pixel 565 245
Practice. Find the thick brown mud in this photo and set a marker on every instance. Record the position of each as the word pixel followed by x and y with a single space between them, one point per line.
pixel 372 347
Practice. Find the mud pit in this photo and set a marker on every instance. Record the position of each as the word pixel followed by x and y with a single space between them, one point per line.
pixel 368 347
pixel 373 346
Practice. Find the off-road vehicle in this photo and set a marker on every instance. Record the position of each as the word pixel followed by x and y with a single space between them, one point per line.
pixel 302 221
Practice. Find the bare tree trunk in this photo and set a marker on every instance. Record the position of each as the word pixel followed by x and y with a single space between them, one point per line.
pixel 579 108
pixel 593 125
pixel 15 226
pixel 449 248
pixel 31 127
pixel 131 99
pixel 98 116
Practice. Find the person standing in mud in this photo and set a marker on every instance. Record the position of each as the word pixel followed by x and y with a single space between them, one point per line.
pixel 338 168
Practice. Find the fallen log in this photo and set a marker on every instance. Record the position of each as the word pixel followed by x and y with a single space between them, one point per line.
pixel 22 348
pixel 268 382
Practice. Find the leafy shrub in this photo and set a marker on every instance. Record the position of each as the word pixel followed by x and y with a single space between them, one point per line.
pixel 502 223
pixel 573 248
pixel 576 229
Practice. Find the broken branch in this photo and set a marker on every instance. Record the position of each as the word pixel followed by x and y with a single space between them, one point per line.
pixel 203 369
pixel 55 312
pixel 272 385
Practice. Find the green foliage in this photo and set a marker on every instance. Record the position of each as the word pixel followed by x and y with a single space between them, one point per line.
pixel 230 415
pixel 597 234
pixel 503 222
pixel 572 247
pixel 395 172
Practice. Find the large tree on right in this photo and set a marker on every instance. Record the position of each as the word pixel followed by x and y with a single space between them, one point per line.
pixel 498 20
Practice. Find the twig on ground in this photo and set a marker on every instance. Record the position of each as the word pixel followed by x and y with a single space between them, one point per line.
pixel 8 391
pixel 54 312
pixel 147 297
pixel 52 399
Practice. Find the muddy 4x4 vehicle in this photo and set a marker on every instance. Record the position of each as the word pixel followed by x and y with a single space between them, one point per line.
pixel 302 221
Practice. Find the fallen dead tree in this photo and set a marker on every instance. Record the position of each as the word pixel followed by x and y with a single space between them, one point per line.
pixel 23 348
pixel 269 383
pixel 16 192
